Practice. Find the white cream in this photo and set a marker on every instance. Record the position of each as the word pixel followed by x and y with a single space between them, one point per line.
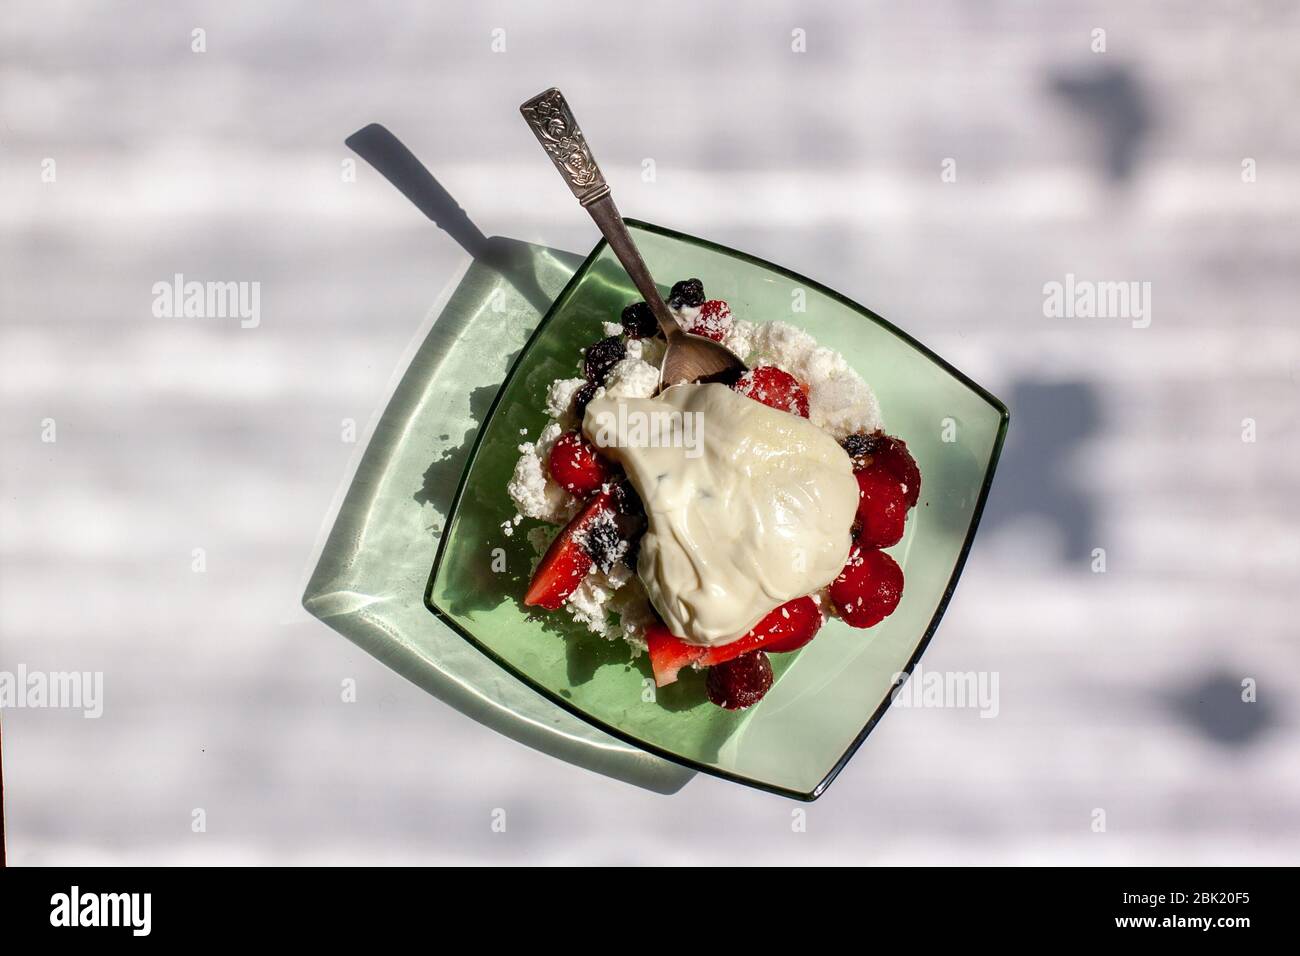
pixel 754 512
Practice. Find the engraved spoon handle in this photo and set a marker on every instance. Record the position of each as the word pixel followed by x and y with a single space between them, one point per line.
pixel 549 117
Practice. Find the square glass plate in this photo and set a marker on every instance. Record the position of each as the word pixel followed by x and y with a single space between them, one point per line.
pixel 373 570
pixel 828 696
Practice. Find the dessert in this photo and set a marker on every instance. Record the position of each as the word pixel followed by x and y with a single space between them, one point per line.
pixel 713 524
pixel 750 511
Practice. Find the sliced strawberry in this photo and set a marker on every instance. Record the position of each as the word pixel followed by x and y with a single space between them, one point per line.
pixel 868 589
pixel 775 388
pixel 786 628
pixel 669 653
pixel 713 320
pixel 567 561
pixel 575 465
pixel 882 508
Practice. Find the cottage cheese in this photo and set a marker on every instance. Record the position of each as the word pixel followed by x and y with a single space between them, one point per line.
pixel 531 489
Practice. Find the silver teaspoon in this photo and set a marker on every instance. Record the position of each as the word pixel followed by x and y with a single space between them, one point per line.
pixel 688 358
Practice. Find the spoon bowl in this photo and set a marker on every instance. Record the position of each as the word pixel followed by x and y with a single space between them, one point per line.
pixel 693 358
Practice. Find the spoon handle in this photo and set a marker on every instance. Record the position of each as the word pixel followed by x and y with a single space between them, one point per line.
pixel 549 117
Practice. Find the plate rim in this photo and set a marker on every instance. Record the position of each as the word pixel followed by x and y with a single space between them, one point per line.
pixel 941 607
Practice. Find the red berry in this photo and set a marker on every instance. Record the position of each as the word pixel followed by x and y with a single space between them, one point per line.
pixel 775 388
pixel 889 454
pixel 867 590
pixel 740 682
pixel 894 458
pixel 713 322
pixel 575 466
pixel 882 508
pixel 669 653
pixel 786 628
pixel 567 561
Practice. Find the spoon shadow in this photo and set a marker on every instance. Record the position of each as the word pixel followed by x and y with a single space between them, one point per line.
pixel 392 160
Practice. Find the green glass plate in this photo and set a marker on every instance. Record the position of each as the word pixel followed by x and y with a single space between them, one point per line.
pixel 826 697
pixel 370 581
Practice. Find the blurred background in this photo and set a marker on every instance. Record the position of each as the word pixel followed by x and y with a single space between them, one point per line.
pixel 938 162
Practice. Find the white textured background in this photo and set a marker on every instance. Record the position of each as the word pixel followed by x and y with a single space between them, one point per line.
pixel 1118 691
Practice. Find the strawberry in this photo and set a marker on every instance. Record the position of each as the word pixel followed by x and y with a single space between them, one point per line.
pixel 669 653
pixel 775 388
pixel 878 450
pixel 867 590
pixel 786 628
pixel 898 461
pixel 575 466
pixel 567 561
pixel 713 321
pixel 882 508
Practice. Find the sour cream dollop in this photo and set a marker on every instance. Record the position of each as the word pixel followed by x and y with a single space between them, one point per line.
pixel 747 506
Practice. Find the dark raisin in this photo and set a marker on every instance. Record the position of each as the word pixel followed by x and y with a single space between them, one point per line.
pixel 626 500
pixel 861 447
pixel 630 520
pixel 603 543
pixel 582 398
pixel 602 357
pixel 633 552
pixel 639 322
pixel 687 292
pixel 739 682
